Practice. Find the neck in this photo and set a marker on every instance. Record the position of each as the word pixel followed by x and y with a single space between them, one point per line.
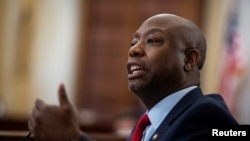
pixel 150 98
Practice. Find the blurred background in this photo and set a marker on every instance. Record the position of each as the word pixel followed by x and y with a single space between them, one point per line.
pixel 84 44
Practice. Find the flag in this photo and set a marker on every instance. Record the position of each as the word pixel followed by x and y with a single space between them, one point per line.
pixel 234 61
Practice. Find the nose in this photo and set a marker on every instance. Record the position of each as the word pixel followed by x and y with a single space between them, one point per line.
pixel 136 51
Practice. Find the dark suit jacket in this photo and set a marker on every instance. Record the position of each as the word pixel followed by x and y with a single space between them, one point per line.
pixel 193 117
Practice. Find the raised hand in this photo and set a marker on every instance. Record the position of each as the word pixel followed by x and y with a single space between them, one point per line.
pixel 55 122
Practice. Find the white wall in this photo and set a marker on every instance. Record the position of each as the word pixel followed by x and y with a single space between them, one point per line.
pixel 55 47
pixel 38 52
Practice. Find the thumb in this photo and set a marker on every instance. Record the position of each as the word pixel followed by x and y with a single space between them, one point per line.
pixel 62 95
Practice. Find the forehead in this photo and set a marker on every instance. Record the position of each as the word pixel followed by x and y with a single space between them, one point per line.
pixel 156 25
pixel 150 30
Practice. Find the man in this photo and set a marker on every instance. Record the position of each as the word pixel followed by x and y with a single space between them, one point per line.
pixel 164 63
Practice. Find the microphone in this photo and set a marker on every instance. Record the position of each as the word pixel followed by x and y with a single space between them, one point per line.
pixel 26 137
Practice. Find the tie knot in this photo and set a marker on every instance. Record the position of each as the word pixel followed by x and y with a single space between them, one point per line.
pixel 144 121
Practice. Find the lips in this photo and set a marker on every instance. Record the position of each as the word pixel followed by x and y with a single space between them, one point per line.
pixel 135 70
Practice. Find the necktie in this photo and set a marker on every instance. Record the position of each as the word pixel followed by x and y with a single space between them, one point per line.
pixel 140 127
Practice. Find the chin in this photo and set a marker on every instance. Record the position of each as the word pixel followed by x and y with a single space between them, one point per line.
pixel 136 90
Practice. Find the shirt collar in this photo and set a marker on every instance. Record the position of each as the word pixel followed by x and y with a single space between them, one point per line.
pixel 162 108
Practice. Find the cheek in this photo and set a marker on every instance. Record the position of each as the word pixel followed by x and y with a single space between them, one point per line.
pixel 168 67
pixel 162 60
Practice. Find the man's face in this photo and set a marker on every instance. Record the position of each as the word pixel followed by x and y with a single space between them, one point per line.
pixel 155 62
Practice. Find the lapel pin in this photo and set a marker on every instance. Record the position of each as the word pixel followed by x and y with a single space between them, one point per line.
pixel 155 136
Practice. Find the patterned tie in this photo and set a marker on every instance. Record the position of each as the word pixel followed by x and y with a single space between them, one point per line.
pixel 140 127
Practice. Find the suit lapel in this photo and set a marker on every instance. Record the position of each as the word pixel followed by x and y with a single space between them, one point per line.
pixel 179 108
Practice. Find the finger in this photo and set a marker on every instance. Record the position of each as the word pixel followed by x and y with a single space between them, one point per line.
pixel 32 128
pixel 39 104
pixel 31 122
pixel 35 112
pixel 33 116
pixel 63 99
pixel 31 125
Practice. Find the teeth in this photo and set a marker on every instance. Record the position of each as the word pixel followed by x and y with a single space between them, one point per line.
pixel 134 67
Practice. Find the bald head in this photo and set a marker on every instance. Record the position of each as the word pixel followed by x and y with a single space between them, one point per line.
pixel 182 32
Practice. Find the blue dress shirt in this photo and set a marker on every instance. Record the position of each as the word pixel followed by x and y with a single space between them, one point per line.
pixel 158 113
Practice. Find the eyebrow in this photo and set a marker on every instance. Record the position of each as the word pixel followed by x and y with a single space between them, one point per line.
pixel 150 31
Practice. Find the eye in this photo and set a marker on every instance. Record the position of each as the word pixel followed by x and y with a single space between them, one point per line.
pixel 133 43
pixel 154 41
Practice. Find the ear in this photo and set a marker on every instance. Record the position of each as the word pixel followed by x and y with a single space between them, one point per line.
pixel 192 57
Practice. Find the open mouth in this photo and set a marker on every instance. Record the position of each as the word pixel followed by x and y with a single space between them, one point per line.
pixel 135 70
